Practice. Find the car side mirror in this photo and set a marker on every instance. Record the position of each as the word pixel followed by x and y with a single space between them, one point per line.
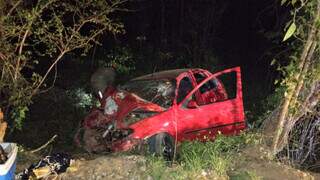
pixel 192 104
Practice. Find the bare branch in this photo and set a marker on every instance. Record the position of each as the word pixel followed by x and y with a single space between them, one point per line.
pixel 20 53
pixel 48 71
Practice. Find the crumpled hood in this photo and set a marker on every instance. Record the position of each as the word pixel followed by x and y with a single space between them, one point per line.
pixel 115 105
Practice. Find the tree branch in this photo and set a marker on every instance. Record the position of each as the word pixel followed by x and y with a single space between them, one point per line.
pixel 20 52
pixel 48 71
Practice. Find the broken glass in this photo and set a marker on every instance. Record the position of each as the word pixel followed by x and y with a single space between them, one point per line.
pixel 160 92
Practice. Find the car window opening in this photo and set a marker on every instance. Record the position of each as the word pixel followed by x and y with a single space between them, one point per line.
pixel 160 92
pixel 185 88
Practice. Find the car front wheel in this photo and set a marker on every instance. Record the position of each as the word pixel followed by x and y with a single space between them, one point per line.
pixel 162 145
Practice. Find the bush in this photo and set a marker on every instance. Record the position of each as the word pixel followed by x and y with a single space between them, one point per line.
pixel 82 100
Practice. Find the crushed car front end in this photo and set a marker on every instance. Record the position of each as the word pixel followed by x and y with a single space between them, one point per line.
pixel 126 116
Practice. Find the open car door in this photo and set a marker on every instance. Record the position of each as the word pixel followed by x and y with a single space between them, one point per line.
pixel 199 119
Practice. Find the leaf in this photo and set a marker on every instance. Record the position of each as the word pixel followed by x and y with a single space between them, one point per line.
pixel 282 2
pixel 290 31
pixel 293 2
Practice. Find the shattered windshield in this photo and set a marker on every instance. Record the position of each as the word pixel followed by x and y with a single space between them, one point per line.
pixel 160 91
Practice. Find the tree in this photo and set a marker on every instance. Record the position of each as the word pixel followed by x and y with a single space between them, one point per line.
pixel 43 32
pixel 302 74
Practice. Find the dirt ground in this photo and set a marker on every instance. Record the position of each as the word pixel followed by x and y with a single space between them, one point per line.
pixel 99 167
pixel 109 167
pixel 134 167
pixel 255 159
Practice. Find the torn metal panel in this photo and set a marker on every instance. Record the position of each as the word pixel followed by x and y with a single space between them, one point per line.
pixel 110 106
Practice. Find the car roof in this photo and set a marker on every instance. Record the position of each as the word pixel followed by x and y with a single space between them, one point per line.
pixel 168 74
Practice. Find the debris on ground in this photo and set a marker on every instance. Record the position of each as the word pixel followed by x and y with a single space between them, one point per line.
pixel 50 165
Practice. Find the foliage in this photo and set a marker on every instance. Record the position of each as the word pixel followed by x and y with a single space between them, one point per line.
pixel 298 74
pixel 55 112
pixel 206 156
pixel 199 158
pixel 18 115
pixel 290 31
pixel 82 100
pixel 300 26
pixel 216 155
pixel 121 59
pixel 37 34
pixel 156 167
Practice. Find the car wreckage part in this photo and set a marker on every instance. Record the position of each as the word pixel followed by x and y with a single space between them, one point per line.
pixel 162 145
pixel 136 116
pixel 111 134
pixel 103 139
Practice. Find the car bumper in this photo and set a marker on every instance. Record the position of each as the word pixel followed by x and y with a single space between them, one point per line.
pixel 127 144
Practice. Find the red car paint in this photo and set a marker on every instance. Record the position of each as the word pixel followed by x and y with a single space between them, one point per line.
pixel 212 111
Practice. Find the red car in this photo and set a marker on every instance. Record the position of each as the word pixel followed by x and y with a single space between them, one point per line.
pixel 164 108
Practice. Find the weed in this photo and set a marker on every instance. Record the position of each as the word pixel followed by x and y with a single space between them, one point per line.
pixel 156 167
pixel 197 156
pixel 215 155
pixel 197 159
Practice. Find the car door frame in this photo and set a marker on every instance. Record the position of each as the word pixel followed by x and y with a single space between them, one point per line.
pixel 236 126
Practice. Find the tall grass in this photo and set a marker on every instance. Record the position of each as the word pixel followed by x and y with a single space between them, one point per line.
pixel 202 158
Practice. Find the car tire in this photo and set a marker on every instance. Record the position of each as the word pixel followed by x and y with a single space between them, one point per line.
pixel 162 145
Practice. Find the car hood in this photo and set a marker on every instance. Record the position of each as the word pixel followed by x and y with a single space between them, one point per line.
pixel 115 105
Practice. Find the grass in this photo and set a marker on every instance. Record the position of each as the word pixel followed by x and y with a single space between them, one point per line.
pixel 246 175
pixel 203 159
pixel 197 156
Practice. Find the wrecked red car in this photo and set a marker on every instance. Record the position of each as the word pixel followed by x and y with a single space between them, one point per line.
pixel 164 108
